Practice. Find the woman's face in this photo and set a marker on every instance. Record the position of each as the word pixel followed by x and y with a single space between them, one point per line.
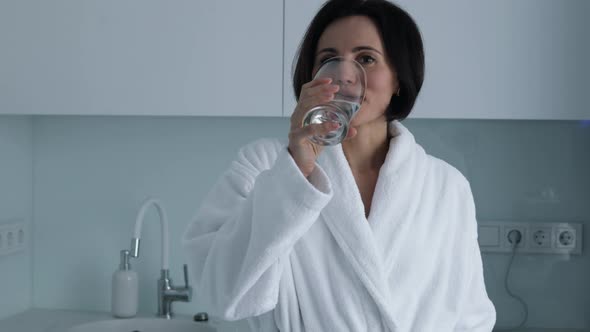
pixel 356 37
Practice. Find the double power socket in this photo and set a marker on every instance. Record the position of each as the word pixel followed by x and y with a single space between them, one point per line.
pixel 13 236
pixel 536 237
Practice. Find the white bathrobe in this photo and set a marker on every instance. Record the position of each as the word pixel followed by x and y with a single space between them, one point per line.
pixel 298 254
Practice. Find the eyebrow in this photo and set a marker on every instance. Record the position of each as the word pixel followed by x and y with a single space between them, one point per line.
pixel 355 50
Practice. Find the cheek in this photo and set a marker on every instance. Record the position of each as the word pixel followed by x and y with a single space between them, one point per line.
pixel 380 86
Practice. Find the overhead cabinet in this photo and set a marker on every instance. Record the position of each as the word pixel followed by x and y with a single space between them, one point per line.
pixel 485 59
pixel 139 57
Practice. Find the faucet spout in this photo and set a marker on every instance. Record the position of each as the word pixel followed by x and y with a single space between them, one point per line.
pixel 164 227
pixel 167 292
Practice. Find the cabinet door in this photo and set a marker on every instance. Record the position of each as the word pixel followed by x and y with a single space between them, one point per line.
pixel 142 57
pixel 504 59
pixel 493 59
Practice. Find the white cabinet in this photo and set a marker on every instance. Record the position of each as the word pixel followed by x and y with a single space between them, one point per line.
pixel 492 59
pixel 141 57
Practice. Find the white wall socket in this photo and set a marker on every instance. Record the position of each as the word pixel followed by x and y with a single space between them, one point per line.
pixel 13 236
pixel 537 237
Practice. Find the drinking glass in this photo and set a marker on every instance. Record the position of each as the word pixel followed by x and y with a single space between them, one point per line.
pixel 351 77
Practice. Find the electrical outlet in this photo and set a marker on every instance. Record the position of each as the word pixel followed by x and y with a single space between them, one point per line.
pixel 13 236
pixel 565 237
pixel 536 237
pixel 514 227
pixel 540 237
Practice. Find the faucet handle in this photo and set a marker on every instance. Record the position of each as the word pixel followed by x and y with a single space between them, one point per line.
pixel 185 276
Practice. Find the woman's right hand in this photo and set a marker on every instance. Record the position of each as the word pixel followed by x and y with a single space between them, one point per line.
pixel 304 151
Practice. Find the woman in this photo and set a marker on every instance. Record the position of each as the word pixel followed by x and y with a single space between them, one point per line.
pixel 369 235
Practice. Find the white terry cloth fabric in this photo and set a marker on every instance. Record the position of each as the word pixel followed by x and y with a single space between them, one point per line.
pixel 297 254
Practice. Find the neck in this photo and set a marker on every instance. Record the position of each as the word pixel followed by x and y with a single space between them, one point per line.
pixel 368 149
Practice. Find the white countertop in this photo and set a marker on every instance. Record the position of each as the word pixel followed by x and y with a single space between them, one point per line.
pixel 49 320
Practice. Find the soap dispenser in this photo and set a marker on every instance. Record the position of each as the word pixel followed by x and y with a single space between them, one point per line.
pixel 125 289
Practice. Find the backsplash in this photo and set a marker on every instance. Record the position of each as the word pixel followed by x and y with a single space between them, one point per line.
pixel 526 171
pixel 16 193
pixel 92 173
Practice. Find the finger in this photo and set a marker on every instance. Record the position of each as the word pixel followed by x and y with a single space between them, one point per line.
pixel 312 101
pixel 317 81
pixel 351 133
pixel 319 89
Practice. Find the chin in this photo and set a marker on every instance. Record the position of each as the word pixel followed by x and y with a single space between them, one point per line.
pixel 360 120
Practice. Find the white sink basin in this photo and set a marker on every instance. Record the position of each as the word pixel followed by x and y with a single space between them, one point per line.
pixel 143 325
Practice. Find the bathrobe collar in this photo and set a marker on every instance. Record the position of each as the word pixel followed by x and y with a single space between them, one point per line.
pixel 362 240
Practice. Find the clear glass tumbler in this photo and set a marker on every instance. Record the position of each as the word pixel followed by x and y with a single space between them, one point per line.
pixel 351 77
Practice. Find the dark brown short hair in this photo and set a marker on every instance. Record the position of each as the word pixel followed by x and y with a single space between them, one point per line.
pixel 401 38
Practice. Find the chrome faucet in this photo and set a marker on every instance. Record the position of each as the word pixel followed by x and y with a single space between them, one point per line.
pixel 167 293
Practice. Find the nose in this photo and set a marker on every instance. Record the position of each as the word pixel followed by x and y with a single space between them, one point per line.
pixel 346 73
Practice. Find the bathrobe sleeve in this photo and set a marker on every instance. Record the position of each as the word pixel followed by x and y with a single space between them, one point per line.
pixel 246 227
pixel 477 311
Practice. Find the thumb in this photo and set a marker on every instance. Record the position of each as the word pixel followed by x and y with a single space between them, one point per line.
pixel 351 133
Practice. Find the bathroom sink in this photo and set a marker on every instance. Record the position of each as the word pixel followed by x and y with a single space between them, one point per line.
pixel 143 325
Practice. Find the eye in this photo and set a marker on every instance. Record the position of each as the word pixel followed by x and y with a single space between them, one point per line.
pixel 324 59
pixel 366 60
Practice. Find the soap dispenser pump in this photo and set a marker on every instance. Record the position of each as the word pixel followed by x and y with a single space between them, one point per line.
pixel 125 289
